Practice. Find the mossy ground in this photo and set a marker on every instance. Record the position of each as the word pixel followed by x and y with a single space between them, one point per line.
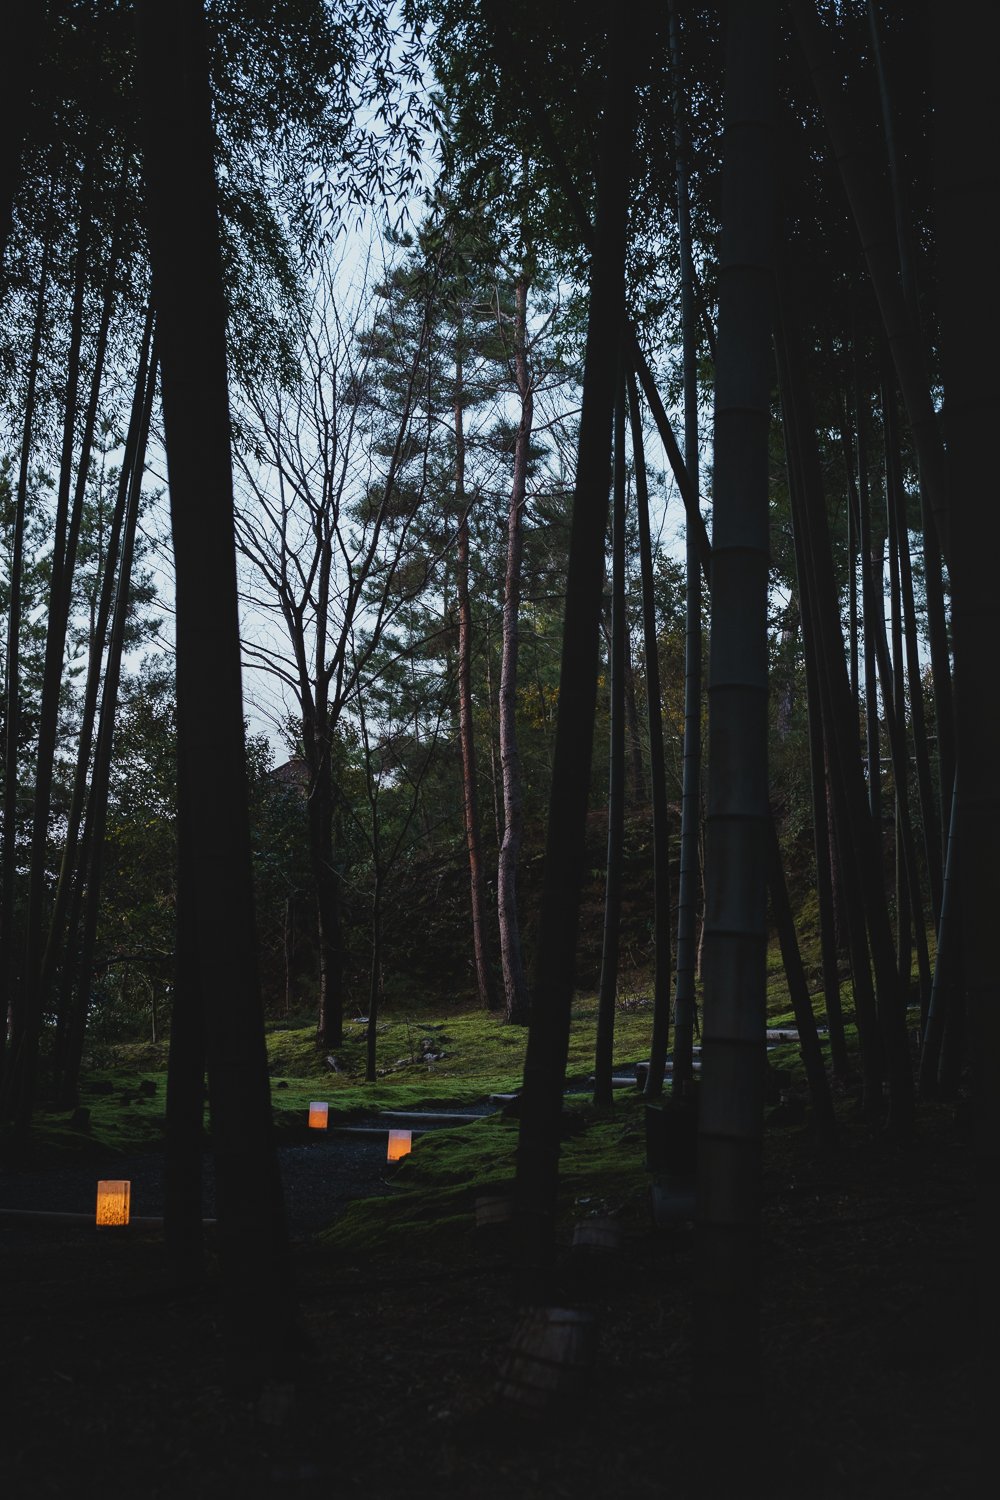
pixel 115 1383
pixel 407 1307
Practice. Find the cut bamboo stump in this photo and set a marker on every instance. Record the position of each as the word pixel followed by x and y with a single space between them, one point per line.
pixel 598 1237
pixel 549 1357
pixel 494 1210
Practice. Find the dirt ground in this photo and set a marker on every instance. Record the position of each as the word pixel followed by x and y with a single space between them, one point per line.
pixel 112 1383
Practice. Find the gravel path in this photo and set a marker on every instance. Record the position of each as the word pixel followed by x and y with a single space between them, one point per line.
pixel 320 1179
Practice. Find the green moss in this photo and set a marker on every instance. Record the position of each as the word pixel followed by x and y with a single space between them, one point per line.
pixel 432 1202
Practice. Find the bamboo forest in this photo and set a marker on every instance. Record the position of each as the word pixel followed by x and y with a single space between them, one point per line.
pixel 499 717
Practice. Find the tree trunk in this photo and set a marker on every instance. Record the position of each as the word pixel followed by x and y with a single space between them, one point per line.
pixel 897 499
pixel 486 984
pixel 605 1041
pixel 637 774
pixel 812 1056
pixel 72 869
pixel 11 1018
pixel 835 703
pixel 858 838
pixel 375 973
pixel 66 536
pixel 319 819
pixel 877 232
pixel 548 1034
pixel 217 973
pixel 689 884
pixel 727 1308
pixel 870 598
pixel 966 190
pixel 91 865
pixel 658 788
pixel 515 982
pixel 289 952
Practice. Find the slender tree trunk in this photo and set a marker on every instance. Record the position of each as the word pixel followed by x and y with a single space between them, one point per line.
pixel 486 984
pixel 637 773
pixel 877 232
pixel 495 774
pixel 853 634
pixel 92 854
pixel 824 659
pixel 548 1035
pixel 65 540
pixel 942 995
pixel 217 953
pixel 658 789
pixel 515 983
pixel 825 878
pixel 11 988
pixel 289 952
pixel 805 1021
pixel 375 974
pixel 689 884
pixel 604 1051
pixel 319 820
pixel 892 697
pixel 727 1309
pixel 870 598
pixel 966 207
pixel 867 886
pixel 133 461
pixel 897 498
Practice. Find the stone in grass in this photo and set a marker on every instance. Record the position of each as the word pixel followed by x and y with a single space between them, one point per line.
pixel 147 1087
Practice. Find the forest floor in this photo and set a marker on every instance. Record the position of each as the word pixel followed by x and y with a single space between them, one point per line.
pixel 113 1383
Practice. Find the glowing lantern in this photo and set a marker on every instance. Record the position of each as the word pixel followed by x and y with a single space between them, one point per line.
pixel 318 1113
pixel 112 1203
pixel 400 1144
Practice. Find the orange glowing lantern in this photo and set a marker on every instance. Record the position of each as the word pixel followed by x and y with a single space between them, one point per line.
pixel 318 1115
pixel 113 1204
pixel 400 1144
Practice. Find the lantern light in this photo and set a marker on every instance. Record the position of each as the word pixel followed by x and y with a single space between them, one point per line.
pixel 318 1115
pixel 400 1144
pixel 113 1204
